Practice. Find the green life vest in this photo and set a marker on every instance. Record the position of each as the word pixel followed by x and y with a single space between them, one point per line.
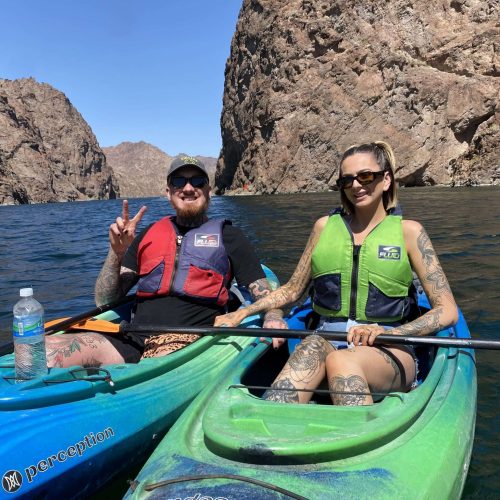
pixel 370 282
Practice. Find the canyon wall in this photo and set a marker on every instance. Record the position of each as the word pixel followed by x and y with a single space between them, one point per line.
pixel 308 78
pixel 48 152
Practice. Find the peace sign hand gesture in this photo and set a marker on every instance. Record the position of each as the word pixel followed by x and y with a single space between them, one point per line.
pixel 122 232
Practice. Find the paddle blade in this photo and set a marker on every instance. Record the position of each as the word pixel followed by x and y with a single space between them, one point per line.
pixel 53 322
pixel 92 325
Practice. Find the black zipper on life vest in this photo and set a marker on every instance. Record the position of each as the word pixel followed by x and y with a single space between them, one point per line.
pixel 354 281
pixel 178 242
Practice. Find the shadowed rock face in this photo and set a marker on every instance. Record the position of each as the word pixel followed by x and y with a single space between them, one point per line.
pixel 47 151
pixel 141 169
pixel 308 78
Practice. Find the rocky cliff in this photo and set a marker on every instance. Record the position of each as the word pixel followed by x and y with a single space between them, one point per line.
pixel 141 169
pixel 47 151
pixel 308 78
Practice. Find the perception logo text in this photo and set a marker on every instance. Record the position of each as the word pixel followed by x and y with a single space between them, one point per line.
pixel 12 480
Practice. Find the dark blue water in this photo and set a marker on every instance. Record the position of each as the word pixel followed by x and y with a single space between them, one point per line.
pixel 59 249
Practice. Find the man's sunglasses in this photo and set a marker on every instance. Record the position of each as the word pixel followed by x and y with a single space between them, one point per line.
pixel 179 181
pixel 364 178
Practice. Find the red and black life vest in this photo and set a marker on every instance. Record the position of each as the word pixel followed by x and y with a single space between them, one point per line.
pixel 195 265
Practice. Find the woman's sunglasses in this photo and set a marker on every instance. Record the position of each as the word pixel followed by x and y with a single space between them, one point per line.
pixel 363 178
pixel 179 181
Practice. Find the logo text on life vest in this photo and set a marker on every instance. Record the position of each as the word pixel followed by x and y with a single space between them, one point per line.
pixel 206 240
pixel 389 252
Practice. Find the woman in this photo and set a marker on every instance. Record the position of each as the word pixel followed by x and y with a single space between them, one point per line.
pixel 360 261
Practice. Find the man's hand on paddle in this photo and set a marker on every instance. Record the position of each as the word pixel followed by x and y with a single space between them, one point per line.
pixel 233 319
pixel 122 232
pixel 277 322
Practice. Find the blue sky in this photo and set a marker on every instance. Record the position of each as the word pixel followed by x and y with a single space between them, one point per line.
pixel 149 70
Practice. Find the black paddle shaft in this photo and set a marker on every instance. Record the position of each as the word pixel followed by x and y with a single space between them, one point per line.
pixel 339 336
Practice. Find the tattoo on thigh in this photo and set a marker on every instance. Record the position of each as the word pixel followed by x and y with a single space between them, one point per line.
pixel 282 396
pixel 349 391
pixel 91 362
pixel 308 358
pixel 64 347
pixel 394 365
pixel 57 351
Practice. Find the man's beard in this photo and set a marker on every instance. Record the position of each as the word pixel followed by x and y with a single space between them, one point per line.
pixel 193 214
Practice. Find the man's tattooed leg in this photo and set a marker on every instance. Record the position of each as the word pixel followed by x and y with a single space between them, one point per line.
pixel 349 391
pixel 62 347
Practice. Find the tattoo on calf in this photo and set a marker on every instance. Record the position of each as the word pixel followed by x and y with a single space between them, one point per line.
pixel 282 396
pixel 354 387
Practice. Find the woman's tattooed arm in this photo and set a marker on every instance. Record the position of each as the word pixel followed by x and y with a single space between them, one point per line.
pixel 286 294
pixel 260 289
pixel 426 264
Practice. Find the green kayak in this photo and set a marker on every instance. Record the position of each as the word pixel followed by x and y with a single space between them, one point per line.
pixel 231 444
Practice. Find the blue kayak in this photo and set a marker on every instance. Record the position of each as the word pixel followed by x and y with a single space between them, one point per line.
pixel 67 434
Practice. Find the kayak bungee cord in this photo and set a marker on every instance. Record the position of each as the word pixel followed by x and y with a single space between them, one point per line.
pixel 167 482
pixel 316 391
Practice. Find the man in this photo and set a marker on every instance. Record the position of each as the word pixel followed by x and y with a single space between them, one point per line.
pixel 183 266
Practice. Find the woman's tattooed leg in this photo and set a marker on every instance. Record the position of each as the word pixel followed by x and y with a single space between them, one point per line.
pixel 304 370
pixel 351 390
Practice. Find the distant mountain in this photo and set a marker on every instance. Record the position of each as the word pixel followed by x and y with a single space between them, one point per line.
pixel 141 168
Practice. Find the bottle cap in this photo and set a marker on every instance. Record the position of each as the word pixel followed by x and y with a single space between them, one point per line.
pixel 26 292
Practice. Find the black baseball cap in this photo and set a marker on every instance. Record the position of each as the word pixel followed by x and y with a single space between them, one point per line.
pixel 185 161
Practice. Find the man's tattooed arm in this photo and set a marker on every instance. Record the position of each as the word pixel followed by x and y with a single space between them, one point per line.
pixel 426 264
pixel 114 280
pixel 260 289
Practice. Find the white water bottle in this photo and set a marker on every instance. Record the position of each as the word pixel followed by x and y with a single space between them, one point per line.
pixel 29 337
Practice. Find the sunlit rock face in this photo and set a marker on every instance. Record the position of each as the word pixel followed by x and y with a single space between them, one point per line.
pixel 308 78
pixel 48 152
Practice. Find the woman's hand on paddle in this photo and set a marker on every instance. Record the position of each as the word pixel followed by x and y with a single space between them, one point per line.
pixel 364 334
pixel 122 231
